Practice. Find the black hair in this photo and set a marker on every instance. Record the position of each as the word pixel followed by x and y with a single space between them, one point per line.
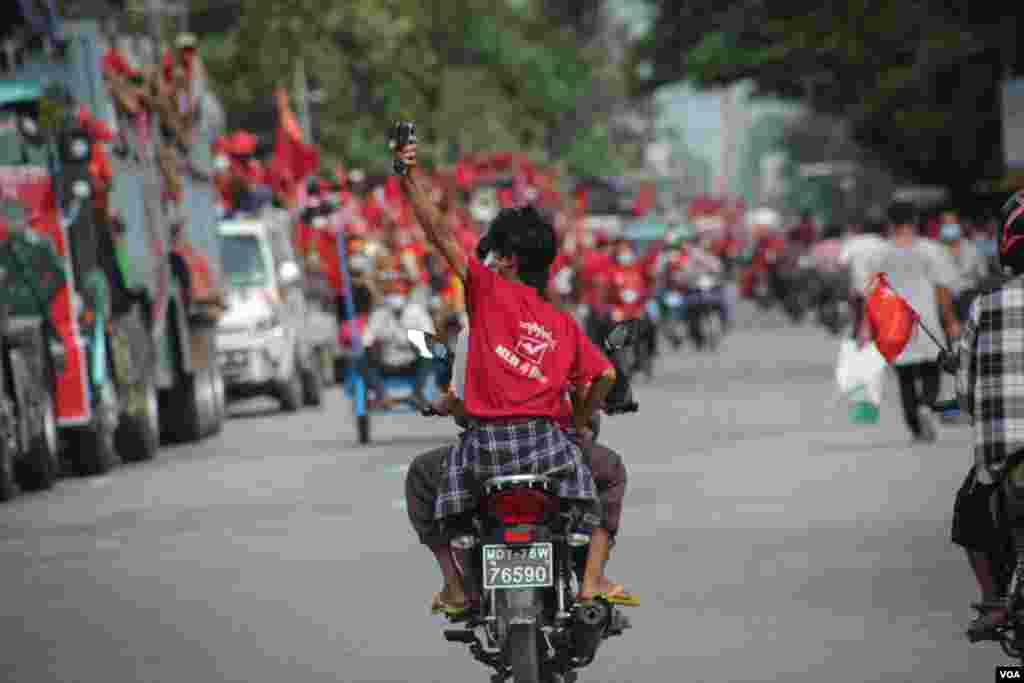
pixel 874 227
pixel 484 246
pixel 523 233
pixel 902 213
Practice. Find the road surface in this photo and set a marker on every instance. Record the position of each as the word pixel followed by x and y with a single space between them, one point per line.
pixel 769 540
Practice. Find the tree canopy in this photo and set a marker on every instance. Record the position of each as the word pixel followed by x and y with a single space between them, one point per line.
pixel 917 81
pixel 479 74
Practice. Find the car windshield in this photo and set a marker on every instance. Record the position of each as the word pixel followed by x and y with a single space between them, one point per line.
pixel 14 151
pixel 243 261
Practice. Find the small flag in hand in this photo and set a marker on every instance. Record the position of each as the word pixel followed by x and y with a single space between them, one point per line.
pixel 890 318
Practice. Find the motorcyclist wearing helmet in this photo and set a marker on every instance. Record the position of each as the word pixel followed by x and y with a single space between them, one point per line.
pixel 990 366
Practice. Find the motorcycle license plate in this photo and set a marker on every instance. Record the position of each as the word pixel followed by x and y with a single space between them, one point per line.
pixel 521 566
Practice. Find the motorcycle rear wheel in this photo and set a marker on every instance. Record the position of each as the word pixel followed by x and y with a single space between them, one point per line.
pixel 522 653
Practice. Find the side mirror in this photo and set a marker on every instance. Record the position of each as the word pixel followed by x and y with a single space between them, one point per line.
pixel 76 147
pixel 30 130
pixel 81 189
pixel 427 345
pixel 290 273
pixel 622 335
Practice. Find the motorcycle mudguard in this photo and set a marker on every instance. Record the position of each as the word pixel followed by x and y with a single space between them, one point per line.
pixel 515 606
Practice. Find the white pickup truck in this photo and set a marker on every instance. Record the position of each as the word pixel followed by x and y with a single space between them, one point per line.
pixel 274 340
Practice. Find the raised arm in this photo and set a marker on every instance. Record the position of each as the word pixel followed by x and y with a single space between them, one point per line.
pixel 429 216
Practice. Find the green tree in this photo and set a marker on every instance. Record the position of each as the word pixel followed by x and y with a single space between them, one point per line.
pixel 918 81
pixel 484 74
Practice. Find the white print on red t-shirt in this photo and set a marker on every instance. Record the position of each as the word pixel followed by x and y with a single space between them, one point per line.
pixel 533 349
pixel 525 368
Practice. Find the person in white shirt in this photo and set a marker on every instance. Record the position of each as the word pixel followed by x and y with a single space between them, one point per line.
pixel 386 341
pixel 857 253
pixel 971 266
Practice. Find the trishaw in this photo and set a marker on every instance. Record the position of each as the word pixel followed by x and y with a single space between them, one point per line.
pixel 355 386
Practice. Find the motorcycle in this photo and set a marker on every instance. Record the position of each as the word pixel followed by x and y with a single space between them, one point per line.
pixel 529 550
pixel 705 311
pixel 672 321
pixel 1009 635
pixel 832 301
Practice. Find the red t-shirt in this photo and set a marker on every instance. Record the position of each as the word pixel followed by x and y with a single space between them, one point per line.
pixel 628 290
pixel 523 352
pixel 594 276
pixel 593 366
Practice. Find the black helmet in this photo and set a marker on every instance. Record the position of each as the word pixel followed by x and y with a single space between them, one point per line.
pixel 1011 233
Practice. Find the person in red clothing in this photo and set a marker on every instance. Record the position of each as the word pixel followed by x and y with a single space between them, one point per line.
pixel 804 233
pixel 629 288
pixel 593 270
pixel 523 353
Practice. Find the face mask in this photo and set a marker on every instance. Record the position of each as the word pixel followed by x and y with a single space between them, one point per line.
pixel 625 259
pixel 395 301
pixel 491 261
pixel 950 232
pixel 221 163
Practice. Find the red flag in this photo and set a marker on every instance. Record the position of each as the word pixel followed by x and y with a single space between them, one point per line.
pixel 293 160
pixel 644 200
pixel 241 143
pixel 890 318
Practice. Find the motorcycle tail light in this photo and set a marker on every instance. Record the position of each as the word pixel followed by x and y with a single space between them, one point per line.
pixel 522 506
pixel 518 536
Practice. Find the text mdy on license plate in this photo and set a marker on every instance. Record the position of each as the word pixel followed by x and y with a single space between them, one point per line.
pixel 525 566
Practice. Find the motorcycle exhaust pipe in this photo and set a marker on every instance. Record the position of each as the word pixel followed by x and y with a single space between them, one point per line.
pixel 588 626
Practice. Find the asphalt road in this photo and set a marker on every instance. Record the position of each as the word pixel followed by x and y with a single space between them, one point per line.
pixel 769 540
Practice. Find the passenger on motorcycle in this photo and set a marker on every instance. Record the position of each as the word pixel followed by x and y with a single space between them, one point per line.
pixel 629 287
pixel 595 262
pixel 764 254
pixel 988 374
pixel 833 278
pixel 522 353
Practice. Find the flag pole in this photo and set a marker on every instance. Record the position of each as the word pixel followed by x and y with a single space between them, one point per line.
pixel 929 333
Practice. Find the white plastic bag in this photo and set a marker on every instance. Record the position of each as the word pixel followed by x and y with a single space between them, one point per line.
pixel 860 372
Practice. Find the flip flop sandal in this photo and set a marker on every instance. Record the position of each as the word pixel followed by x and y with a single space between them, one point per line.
pixel 618 596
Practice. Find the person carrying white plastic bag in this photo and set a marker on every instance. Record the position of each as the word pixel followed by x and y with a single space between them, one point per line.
pixel 860 375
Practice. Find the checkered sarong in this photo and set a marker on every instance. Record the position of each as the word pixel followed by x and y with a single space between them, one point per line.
pixel 503 449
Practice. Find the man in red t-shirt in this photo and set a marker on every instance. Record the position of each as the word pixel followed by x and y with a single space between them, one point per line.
pixel 523 353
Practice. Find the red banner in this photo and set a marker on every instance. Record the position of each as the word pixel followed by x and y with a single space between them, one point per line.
pixel 31 187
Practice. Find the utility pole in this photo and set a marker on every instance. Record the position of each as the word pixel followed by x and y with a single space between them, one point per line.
pixel 302 100
pixel 154 16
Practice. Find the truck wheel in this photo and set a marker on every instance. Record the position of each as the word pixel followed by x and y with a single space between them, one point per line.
pixel 93 446
pixel 8 487
pixel 327 368
pixel 289 392
pixel 363 427
pixel 138 434
pixel 40 468
pixel 312 385
pixel 220 402
pixel 180 408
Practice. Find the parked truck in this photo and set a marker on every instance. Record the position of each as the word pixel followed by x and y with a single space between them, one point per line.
pixel 138 314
